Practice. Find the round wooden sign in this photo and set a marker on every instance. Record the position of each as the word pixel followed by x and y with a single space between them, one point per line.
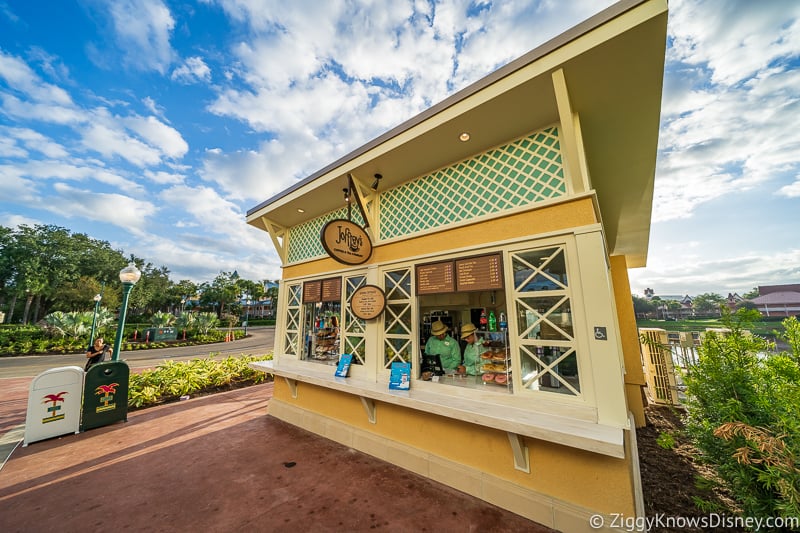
pixel 346 242
pixel 368 302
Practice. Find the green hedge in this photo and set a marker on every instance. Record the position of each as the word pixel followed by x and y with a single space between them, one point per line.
pixel 32 340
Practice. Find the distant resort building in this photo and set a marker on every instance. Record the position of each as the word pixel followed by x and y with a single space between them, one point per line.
pixel 778 300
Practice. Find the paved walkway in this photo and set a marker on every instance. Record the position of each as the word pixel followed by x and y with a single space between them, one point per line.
pixel 219 463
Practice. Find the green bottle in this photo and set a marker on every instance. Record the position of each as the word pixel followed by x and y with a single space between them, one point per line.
pixel 492 321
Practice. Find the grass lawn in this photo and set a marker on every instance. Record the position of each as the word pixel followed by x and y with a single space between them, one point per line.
pixel 762 328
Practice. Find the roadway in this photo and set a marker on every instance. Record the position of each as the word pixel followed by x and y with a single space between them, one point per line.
pixel 259 341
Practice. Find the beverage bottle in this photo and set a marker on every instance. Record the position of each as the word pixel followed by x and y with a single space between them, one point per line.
pixel 483 320
pixel 503 322
pixel 492 321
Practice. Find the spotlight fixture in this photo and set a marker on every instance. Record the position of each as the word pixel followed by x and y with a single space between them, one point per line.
pixel 346 194
pixel 464 137
pixel 377 182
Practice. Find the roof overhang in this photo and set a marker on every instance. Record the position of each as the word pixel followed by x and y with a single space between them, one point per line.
pixel 613 64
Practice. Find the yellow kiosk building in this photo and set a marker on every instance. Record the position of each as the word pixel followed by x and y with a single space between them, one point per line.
pixel 515 206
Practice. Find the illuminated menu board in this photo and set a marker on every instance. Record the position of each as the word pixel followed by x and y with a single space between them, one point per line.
pixel 436 278
pixel 331 290
pixel 481 273
pixel 312 292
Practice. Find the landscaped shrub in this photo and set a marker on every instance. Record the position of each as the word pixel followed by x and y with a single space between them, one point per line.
pixel 743 412
pixel 173 379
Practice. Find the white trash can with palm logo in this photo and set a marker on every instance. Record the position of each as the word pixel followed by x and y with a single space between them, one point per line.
pixel 54 404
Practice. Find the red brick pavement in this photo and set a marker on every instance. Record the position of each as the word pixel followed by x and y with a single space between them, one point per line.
pixel 219 463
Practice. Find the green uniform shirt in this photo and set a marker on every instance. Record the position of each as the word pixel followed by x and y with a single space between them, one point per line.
pixel 447 349
pixel 472 358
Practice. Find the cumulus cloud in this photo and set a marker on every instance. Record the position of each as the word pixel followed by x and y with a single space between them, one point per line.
pixel 125 212
pixel 142 32
pixel 193 70
pixel 729 105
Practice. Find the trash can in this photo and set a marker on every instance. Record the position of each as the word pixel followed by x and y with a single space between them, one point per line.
pixel 160 334
pixel 54 404
pixel 105 394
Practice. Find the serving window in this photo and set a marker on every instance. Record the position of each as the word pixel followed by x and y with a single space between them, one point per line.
pixel 519 300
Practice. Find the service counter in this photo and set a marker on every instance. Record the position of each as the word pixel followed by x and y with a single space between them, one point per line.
pixel 477 409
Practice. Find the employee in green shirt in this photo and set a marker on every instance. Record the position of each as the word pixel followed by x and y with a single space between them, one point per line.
pixel 472 351
pixel 445 346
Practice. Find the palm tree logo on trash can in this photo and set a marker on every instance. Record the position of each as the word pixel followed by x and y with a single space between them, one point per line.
pixel 54 399
pixel 106 393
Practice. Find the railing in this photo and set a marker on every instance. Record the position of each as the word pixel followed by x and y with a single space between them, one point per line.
pixel 666 357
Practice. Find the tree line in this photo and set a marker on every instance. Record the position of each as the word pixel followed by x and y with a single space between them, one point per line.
pixel 46 268
pixel 706 304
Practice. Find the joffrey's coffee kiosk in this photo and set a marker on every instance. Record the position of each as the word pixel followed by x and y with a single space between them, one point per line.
pixel 516 205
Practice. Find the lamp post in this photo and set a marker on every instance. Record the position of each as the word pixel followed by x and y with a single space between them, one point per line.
pixel 96 299
pixel 128 276
pixel 246 315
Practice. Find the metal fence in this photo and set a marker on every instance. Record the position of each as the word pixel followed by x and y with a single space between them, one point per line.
pixel 667 356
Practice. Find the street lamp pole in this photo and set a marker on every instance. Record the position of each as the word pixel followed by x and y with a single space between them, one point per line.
pixel 246 315
pixel 96 299
pixel 128 276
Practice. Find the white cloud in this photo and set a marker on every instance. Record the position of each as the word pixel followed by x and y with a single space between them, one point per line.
pixel 157 134
pixel 25 81
pixel 143 29
pixel 192 70
pixel 33 141
pixel 729 104
pixel 792 190
pixel 129 214
pixel 733 273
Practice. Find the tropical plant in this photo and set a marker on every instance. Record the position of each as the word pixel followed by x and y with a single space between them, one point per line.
pixel 162 320
pixel 185 322
pixel 173 379
pixel 205 322
pixel 743 413
pixel 68 324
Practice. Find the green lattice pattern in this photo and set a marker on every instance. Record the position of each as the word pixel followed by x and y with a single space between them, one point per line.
pixel 523 172
pixel 304 239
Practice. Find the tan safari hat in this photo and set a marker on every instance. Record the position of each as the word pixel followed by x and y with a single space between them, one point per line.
pixel 467 330
pixel 438 327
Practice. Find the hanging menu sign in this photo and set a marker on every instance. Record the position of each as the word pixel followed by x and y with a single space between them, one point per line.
pixel 312 292
pixel 481 273
pixel 436 278
pixel 331 290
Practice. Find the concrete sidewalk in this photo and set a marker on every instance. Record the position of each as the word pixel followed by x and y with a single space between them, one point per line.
pixel 219 463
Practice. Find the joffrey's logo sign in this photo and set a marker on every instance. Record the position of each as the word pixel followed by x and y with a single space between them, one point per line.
pixel 346 242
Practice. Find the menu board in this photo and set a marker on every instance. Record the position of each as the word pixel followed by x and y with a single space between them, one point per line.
pixel 436 278
pixel 331 290
pixel 312 292
pixel 481 273
pixel 368 302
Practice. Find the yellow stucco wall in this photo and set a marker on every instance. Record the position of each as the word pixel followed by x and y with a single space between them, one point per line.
pixel 562 216
pixel 582 478
pixel 629 336
pixel 590 480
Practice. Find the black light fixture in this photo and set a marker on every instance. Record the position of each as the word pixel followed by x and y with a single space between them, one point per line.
pixel 346 192
pixel 377 182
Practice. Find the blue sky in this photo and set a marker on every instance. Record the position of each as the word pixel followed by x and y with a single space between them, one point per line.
pixel 155 125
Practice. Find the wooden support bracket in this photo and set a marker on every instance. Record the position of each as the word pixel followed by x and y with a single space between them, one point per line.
pixel 520 451
pixel 292 386
pixel 369 407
